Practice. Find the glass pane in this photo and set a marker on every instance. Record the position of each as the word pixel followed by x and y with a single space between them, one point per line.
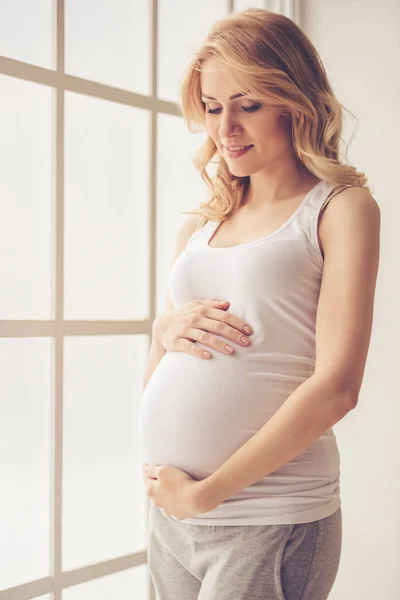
pixel 108 41
pixel 104 498
pixel 182 26
pixel 27 31
pixel 26 200
pixel 125 585
pixel 107 210
pixel 180 187
pixel 26 395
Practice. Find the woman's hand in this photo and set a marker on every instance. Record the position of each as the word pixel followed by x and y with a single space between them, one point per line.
pixel 203 320
pixel 173 490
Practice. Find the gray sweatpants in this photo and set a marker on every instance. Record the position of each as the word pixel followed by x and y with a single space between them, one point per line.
pixel 243 562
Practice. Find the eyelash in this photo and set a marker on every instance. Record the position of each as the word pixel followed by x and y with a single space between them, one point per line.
pixel 245 108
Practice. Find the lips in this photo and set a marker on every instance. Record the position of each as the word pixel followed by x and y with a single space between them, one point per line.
pixel 237 153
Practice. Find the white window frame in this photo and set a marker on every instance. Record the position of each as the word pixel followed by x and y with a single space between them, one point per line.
pixel 58 328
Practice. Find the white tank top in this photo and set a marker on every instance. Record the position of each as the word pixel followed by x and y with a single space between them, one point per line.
pixel 196 413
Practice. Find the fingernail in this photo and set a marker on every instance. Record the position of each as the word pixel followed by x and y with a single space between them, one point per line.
pixel 248 329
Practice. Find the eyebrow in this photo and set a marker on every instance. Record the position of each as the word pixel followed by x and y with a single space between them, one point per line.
pixel 231 98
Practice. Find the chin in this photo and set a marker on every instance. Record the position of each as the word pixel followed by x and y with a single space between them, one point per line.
pixel 241 171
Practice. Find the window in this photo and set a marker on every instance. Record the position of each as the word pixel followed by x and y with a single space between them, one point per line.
pixel 91 197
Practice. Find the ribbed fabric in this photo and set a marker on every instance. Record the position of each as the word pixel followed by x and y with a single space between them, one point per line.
pixel 196 413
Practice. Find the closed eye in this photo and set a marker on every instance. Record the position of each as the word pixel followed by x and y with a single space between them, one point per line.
pixel 253 108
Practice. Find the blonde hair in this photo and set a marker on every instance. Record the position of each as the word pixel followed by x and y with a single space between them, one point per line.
pixel 267 54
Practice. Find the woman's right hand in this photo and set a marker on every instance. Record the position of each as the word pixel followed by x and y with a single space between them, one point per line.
pixel 203 320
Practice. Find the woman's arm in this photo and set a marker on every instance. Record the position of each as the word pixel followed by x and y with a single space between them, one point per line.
pixel 157 350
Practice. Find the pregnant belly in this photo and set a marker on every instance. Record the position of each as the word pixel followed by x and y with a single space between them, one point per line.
pixel 194 413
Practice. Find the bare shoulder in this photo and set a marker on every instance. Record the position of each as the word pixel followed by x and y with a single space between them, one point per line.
pixel 352 209
pixel 355 199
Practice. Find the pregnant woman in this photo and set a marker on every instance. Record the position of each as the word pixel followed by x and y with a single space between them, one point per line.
pixel 263 344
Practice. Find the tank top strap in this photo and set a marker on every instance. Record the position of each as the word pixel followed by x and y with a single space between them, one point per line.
pixel 204 233
pixel 325 194
pixel 307 220
pixel 318 200
pixel 209 228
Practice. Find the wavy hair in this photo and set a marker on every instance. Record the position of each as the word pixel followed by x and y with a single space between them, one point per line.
pixel 267 54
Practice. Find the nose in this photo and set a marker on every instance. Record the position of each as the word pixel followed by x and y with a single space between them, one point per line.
pixel 228 127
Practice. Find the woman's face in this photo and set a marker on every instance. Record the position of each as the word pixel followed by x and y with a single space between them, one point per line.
pixel 242 122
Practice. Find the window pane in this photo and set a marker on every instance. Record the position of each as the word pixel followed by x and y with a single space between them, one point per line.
pixel 108 41
pixel 180 187
pixel 125 585
pixel 26 397
pixel 104 498
pixel 107 210
pixel 26 200
pixel 182 26
pixel 27 31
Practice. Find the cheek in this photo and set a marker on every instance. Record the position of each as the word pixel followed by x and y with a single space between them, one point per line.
pixel 212 130
pixel 213 134
pixel 271 132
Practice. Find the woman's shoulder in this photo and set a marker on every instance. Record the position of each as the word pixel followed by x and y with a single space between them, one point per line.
pixel 352 197
pixel 354 205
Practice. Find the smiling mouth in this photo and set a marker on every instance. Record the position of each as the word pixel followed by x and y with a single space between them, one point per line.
pixel 237 153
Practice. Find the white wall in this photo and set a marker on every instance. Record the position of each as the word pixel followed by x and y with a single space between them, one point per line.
pixel 359 43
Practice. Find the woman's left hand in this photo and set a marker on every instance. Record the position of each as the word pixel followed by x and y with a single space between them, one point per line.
pixel 173 490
